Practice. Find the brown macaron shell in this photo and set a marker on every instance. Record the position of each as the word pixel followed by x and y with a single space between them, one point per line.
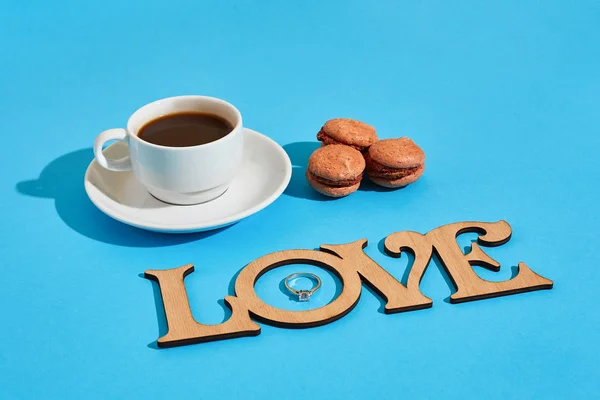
pixel 335 170
pixel 336 163
pixel 347 131
pixel 395 163
pixel 397 153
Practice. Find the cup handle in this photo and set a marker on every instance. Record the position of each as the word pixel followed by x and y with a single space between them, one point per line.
pixel 120 164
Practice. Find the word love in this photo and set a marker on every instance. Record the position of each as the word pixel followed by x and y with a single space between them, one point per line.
pixel 350 263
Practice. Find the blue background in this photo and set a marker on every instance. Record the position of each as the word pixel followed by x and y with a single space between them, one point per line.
pixel 504 97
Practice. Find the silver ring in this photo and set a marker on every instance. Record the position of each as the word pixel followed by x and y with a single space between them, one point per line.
pixel 303 295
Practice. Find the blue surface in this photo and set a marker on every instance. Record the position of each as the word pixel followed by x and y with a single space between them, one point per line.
pixel 503 96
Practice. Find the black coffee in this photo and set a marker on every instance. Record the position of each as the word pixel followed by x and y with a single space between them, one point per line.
pixel 185 129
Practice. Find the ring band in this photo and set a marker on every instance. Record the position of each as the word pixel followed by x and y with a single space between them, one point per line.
pixel 303 295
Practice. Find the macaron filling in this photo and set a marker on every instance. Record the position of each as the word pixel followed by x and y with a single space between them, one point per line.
pixel 328 182
pixel 391 173
pixel 379 170
pixel 326 139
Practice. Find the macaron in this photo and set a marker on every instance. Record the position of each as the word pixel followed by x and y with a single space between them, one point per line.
pixel 335 170
pixel 394 163
pixel 347 131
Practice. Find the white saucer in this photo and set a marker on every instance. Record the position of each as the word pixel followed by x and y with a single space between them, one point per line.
pixel 264 175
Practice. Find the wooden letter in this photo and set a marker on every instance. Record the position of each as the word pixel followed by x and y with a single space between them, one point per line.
pixel 397 296
pixel 183 328
pixel 468 285
pixel 422 250
pixel 343 304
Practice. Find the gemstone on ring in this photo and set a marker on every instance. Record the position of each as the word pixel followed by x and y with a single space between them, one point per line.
pixel 303 295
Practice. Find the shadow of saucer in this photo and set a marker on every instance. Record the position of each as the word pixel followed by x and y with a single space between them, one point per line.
pixel 62 180
pixel 299 152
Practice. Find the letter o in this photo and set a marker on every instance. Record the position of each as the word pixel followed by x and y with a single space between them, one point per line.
pixel 340 306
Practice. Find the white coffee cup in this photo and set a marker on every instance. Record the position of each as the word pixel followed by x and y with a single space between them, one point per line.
pixel 179 175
